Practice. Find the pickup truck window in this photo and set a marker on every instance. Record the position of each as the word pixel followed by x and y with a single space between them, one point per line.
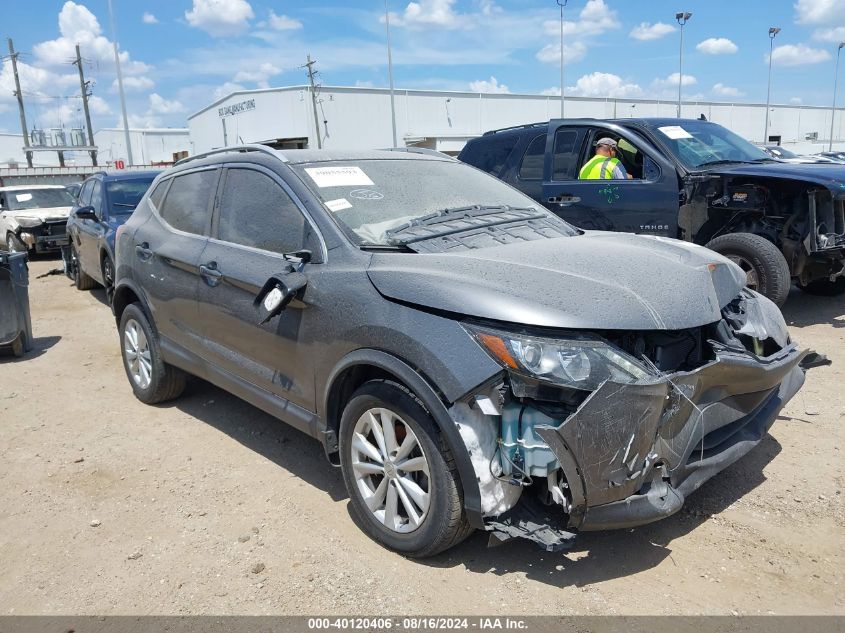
pixel 565 154
pixel 531 167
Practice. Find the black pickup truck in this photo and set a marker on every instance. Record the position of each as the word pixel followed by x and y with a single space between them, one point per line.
pixel 692 180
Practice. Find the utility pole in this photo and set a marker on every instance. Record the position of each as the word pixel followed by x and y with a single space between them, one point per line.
pixel 83 87
pixel 311 73
pixel 14 56
pixel 390 73
pixel 682 17
pixel 120 88
pixel 562 98
pixel 833 109
pixel 773 31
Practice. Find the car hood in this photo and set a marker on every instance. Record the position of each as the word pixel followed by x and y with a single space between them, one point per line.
pixel 44 213
pixel 597 280
pixel 831 175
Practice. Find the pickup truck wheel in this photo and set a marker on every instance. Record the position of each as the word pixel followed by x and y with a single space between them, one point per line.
pixel 401 477
pixel 765 266
pixel 82 281
pixel 824 287
pixel 14 244
pixel 152 379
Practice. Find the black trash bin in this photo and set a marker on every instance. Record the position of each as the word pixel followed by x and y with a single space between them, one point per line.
pixel 15 320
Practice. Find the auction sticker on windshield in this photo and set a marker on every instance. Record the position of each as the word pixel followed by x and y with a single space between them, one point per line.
pixel 338 205
pixel 339 177
pixel 23 197
pixel 675 132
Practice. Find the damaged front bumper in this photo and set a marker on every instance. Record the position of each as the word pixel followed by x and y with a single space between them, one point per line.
pixel 632 453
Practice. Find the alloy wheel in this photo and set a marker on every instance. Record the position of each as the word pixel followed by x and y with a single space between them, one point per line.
pixel 751 279
pixel 391 470
pixel 136 350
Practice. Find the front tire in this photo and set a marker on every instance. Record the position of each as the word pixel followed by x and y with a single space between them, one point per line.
pixel 14 244
pixel 765 266
pixel 152 379
pixel 108 276
pixel 402 480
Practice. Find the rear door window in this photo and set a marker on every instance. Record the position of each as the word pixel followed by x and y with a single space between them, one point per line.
pixel 186 206
pixel 531 167
pixel 256 211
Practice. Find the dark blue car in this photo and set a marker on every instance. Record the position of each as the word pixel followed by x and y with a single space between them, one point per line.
pixel 105 202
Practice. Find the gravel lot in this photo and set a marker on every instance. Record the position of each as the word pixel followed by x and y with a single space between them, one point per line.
pixel 208 506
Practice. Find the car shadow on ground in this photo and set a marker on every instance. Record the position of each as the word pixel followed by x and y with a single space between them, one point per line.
pixel 40 345
pixel 596 556
pixel 802 309
pixel 285 446
pixel 600 556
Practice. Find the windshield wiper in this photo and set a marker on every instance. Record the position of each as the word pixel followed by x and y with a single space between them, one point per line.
pixel 725 161
pixel 123 204
pixel 473 217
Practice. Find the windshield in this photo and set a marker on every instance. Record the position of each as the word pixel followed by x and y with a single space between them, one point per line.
pixel 371 197
pixel 21 199
pixel 699 143
pixel 125 195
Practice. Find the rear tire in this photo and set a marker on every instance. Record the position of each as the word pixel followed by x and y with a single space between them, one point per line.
pixel 378 470
pixel 765 266
pixel 824 287
pixel 152 379
pixel 82 281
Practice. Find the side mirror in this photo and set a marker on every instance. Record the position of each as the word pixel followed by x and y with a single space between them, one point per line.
pixel 277 293
pixel 85 213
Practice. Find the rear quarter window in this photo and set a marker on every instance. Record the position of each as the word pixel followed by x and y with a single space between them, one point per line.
pixel 186 205
pixel 490 153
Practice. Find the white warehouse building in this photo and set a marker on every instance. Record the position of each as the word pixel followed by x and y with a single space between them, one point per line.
pixel 360 118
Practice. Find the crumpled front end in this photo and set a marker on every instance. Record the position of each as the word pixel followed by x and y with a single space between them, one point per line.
pixel 628 454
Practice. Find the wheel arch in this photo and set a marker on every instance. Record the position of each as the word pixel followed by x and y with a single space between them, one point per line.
pixel 126 294
pixel 363 365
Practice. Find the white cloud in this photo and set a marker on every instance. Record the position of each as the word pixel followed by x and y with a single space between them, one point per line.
pixel 98 105
pixel 160 105
pixel 819 11
pixel 834 35
pixel 226 89
pixel 282 22
pixel 220 18
pixel 491 86
pixel 672 81
pixel 134 84
pixel 722 90
pixel 600 84
pixel 717 46
pixel 78 25
pixel 260 75
pixel 35 81
pixel 797 55
pixel 796 100
pixel 646 31
pixel 554 91
pixel 431 13
pixel 574 52
pixel 149 18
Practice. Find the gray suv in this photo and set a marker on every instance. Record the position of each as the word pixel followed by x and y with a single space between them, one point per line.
pixel 469 360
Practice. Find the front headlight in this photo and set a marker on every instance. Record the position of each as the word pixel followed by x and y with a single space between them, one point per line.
pixel 28 222
pixel 580 362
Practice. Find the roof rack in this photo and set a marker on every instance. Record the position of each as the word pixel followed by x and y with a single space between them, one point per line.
pixel 419 150
pixel 516 127
pixel 249 147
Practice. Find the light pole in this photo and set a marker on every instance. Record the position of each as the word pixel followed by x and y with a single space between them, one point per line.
pixel 562 98
pixel 120 89
pixel 772 32
pixel 833 109
pixel 390 73
pixel 682 18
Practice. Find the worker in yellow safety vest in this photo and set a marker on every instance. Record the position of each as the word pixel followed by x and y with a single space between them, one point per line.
pixel 604 165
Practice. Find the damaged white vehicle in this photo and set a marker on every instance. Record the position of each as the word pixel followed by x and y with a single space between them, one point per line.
pixel 33 218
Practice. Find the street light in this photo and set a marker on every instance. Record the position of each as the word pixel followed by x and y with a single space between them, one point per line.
pixel 682 18
pixel 833 110
pixel 772 32
pixel 120 88
pixel 390 73
pixel 562 100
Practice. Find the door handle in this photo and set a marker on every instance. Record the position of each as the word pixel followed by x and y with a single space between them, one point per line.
pixel 564 200
pixel 210 274
pixel 143 251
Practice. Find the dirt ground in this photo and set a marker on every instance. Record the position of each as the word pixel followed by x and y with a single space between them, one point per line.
pixel 208 506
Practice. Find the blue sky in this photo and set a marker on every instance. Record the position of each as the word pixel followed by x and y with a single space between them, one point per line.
pixel 180 55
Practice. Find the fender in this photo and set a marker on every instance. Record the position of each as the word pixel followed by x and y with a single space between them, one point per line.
pixel 426 393
pixel 130 284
